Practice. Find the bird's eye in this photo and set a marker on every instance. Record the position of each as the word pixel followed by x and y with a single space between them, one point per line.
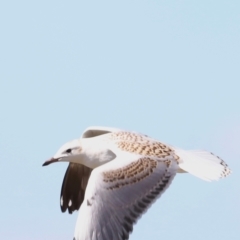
pixel 69 150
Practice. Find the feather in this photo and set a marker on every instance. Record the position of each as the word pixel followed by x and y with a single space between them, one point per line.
pixel 202 164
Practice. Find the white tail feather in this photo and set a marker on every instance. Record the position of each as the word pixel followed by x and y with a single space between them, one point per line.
pixel 202 164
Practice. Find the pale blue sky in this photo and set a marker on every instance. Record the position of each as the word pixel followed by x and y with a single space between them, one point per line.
pixel 169 69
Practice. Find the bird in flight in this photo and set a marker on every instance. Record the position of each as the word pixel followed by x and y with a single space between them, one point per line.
pixel 114 176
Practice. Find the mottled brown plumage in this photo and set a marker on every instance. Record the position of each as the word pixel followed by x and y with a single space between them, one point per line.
pixel 132 173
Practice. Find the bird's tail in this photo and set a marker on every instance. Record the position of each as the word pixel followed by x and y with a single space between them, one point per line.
pixel 202 164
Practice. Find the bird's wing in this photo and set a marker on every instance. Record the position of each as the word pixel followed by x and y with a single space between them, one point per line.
pixel 97 130
pixel 74 186
pixel 119 192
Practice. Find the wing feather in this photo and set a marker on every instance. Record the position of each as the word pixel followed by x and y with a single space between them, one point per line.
pixel 74 186
pixel 116 197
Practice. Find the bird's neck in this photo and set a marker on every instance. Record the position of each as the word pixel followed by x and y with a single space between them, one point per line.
pixel 95 152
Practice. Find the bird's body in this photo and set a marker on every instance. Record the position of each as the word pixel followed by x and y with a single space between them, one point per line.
pixel 114 176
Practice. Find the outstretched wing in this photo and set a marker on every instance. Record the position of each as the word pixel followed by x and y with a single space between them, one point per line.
pixel 74 186
pixel 119 192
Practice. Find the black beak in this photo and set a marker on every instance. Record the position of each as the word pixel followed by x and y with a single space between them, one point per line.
pixel 52 160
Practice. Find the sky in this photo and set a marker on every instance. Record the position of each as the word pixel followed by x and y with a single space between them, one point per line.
pixel 169 69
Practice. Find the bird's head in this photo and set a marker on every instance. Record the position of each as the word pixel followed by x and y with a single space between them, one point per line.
pixel 69 152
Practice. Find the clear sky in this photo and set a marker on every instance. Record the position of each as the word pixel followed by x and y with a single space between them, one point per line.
pixel 169 69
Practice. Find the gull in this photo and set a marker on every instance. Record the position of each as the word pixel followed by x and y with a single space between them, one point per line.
pixel 114 176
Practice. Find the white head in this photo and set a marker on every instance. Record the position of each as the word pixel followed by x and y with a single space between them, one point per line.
pixel 69 152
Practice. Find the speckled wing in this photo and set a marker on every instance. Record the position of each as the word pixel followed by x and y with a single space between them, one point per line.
pixel 119 192
pixel 74 186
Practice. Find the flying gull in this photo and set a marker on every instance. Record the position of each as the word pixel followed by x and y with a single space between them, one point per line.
pixel 114 176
